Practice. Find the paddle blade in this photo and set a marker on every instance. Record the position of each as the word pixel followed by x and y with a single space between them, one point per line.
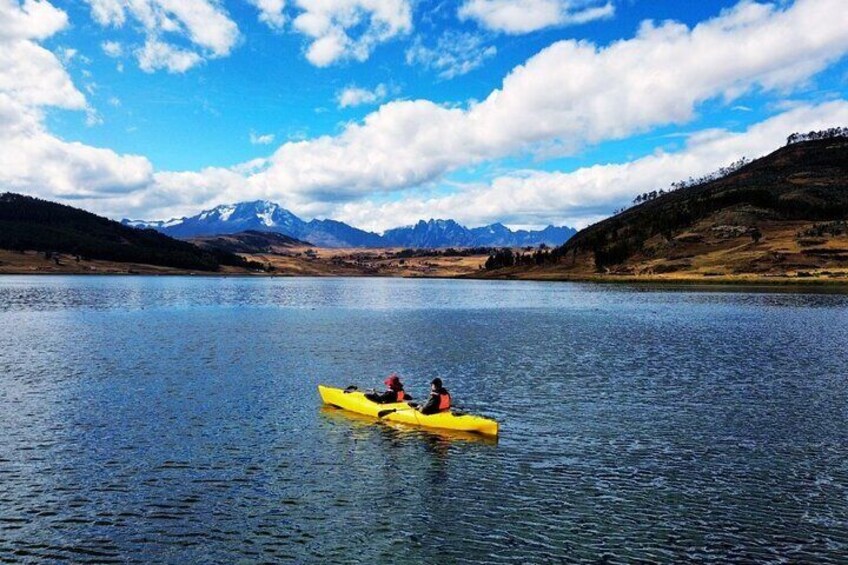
pixel 384 413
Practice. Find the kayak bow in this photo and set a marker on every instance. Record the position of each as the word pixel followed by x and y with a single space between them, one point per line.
pixel 355 401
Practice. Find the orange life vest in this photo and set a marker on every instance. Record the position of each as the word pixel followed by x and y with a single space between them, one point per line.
pixel 444 400
pixel 400 396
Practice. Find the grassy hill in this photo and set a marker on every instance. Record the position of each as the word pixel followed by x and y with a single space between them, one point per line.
pixel 781 215
pixel 28 223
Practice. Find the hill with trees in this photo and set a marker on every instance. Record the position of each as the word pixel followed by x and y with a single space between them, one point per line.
pixel 32 224
pixel 780 215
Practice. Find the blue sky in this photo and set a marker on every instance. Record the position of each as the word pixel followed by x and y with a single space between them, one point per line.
pixel 380 112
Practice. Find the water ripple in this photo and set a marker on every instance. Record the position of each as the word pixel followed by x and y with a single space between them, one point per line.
pixel 176 420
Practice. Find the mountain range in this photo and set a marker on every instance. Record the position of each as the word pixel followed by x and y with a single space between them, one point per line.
pixel 265 216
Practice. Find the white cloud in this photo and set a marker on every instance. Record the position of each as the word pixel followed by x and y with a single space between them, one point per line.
pixel 331 26
pixel 31 19
pixel 271 12
pixel 30 75
pixel 33 75
pixel 523 16
pixel 356 96
pixel 66 54
pixel 203 23
pixel 155 55
pixel 581 197
pixel 455 54
pixel 570 94
pixel 261 139
pixel 112 48
pixel 31 79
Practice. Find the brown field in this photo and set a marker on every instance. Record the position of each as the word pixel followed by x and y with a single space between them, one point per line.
pixel 697 257
pixel 305 261
pixel 367 262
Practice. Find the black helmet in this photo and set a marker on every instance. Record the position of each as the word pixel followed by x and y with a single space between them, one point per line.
pixel 437 382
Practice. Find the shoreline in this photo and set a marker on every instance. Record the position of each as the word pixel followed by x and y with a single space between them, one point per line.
pixel 654 280
pixel 772 283
pixel 30 263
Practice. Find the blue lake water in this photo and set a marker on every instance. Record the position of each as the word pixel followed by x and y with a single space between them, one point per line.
pixel 176 419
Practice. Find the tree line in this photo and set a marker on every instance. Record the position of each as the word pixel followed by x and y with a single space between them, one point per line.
pixel 527 257
pixel 829 133
pixel 691 181
pixel 409 253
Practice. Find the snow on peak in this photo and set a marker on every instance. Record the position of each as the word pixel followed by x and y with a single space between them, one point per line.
pixel 224 212
pixel 172 222
pixel 266 217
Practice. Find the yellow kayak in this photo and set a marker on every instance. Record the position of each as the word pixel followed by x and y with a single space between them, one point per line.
pixel 400 412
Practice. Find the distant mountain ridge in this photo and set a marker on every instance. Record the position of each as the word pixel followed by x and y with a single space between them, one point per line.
pixel 248 242
pixel 265 216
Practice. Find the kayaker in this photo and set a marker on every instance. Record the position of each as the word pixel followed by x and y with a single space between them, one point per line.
pixel 439 400
pixel 394 392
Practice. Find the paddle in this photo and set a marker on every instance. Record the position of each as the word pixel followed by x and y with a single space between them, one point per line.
pixel 383 413
pixel 453 410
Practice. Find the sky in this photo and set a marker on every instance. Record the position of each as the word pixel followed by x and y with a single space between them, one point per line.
pixel 383 112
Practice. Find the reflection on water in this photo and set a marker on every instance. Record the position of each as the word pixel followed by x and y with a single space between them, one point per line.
pixel 405 431
pixel 177 420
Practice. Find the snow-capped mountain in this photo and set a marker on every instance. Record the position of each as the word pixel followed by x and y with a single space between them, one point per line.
pixel 260 215
pixel 265 216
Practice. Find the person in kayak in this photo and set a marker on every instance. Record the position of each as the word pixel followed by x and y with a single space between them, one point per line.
pixel 439 400
pixel 394 392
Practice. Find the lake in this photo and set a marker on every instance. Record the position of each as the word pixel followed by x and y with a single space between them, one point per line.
pixel 176 419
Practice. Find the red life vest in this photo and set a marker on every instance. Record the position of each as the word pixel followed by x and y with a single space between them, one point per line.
pixel 400 396
pixel 444 400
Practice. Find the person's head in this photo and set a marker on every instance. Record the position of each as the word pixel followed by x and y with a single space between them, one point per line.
pixel 436 384
pixel 393 382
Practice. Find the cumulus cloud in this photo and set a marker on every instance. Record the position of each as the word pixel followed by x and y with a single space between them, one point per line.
pixel 32 19
pixel 587 194
pixel 455 54
pixel 524 16
pixel 33 76
pixel 112 48
pixel 356 96
pixel 203 23
pixel 350 29
pixel 155 55
pixel 271 12
pixel 32 79
pixel 569 94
